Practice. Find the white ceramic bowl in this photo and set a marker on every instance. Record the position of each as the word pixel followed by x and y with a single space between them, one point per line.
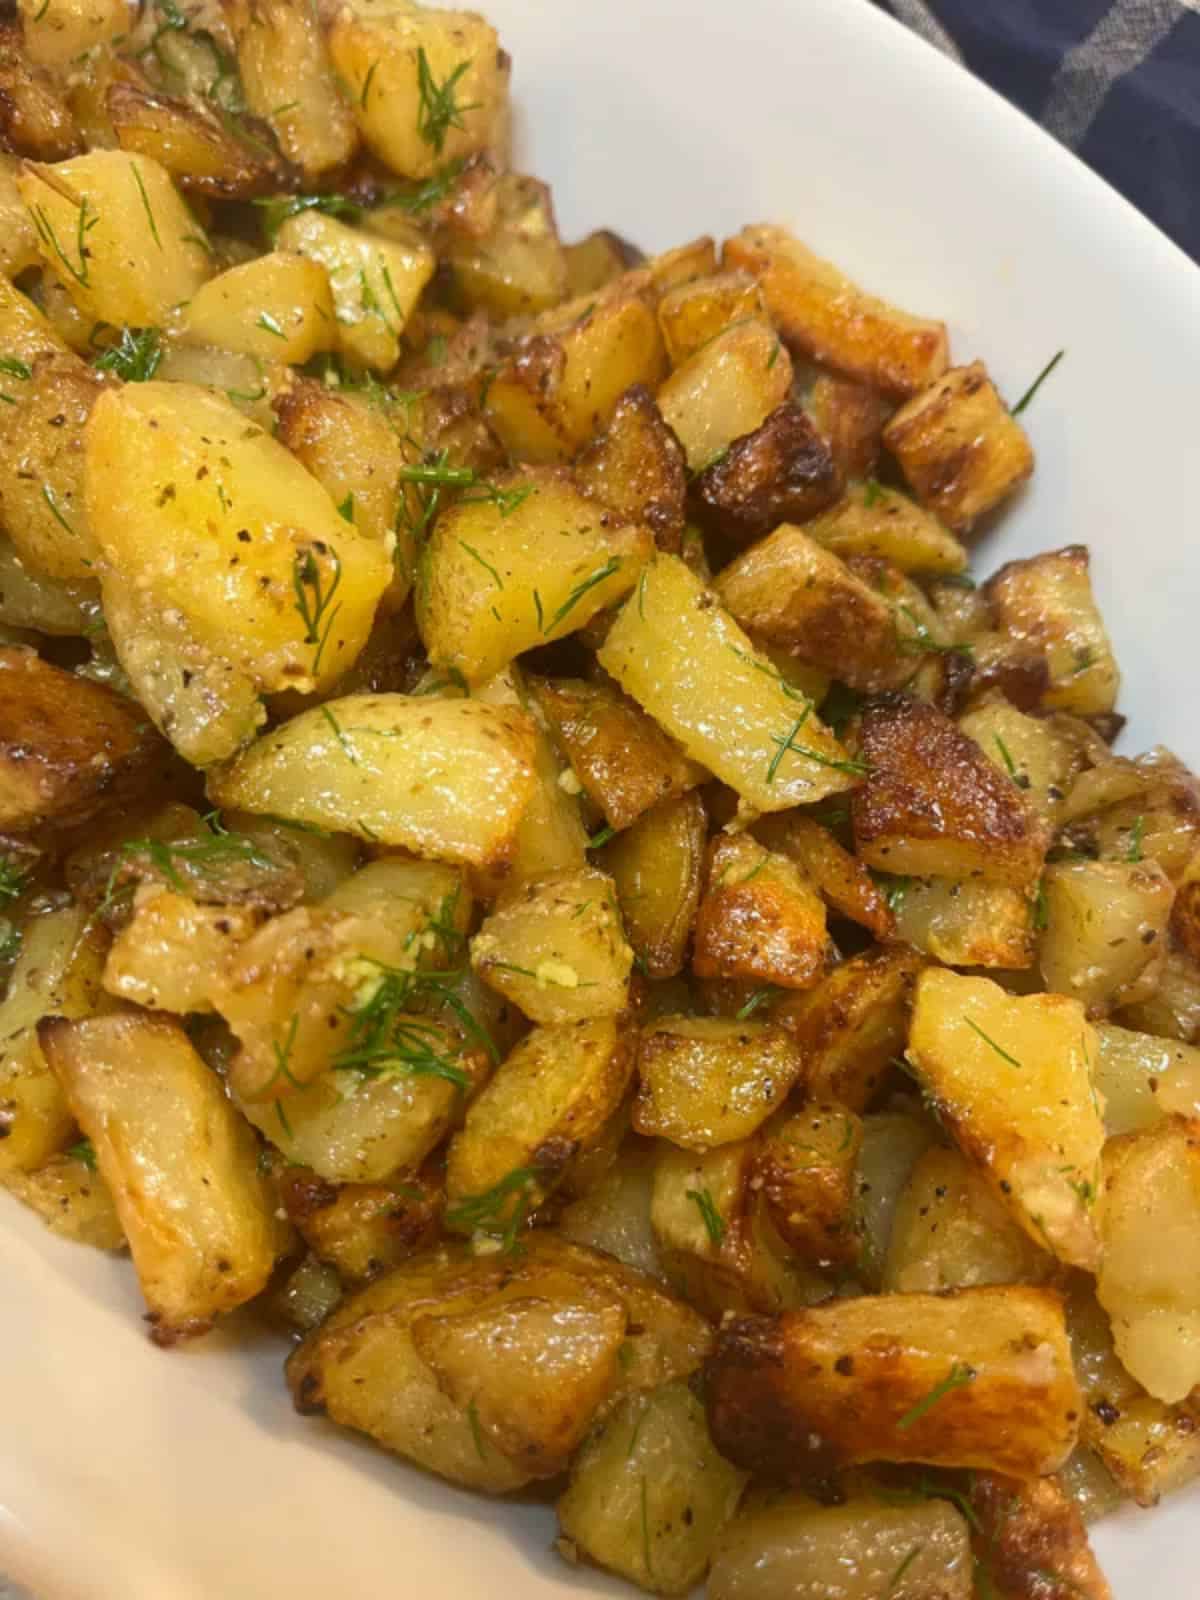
pixel 129 1473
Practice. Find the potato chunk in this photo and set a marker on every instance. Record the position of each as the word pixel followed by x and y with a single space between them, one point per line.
pixel 116 235
pixel 518 267
pixel 727 389
pixel 443 778
pixel 760 918
pixel 704 1081
pixel 933 804
pixel 637 467
pixel 1011 1077
pixel 72 1199
pixel 1036 1546
pixel 822 313
pixel 61 31
pixel 838 877
pixel 782 472
pixel 41 467
pixel 556 948
pixel 965 923
pixel 278 307
pixel 35 119
pixel 656 867
pixel 1104 940
pixel 649 1494
pixel 1140 1077
pixel 691 314
pixel 807 1167
pixel 959 447
pixel 180 1162
pixel 1046 602
pixel 167 954
pixel 684 659
pixel 976 1378
pixel 870 520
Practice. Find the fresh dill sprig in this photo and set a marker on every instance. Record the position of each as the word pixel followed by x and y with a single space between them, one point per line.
pixel 313 601
pixel 714 1222
pixel 1037 383
pixel 136 356
pixel 988 1040
pixel 500 1210
pixel 166 856
pixel 439 108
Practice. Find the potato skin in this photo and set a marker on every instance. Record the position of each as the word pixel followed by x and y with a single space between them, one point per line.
pixel 782 472
pixel 759 918
pixel 799 1395
pixel 637 467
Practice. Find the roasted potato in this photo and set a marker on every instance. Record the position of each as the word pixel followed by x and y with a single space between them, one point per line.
pixel 1104 936
pixel 637 467
pixel 871 520
pixel 725 390
pixel 1033 1542
pixel 807 1168
pixel 965 923
pixel 1046 603
pixel 781 472
pixel 703 1081
pixel 71 1198
pixel 278 307
pixel 759 918
pixel 656 867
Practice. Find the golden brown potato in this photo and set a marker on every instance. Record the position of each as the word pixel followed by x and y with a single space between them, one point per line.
pixel 596 261
pixel 691 314
pixel 519 266
pixel 959 447
pixel 852 1024
pixel 1140 1078
pixel 637 467
pixel 726 389
pixel 781 472
pixel 870 520
pixel 166 956
pixel 826 316
pixel 759 918
pixel 1046 602
pixel 850 418
pixel 71 1198
pixel 623 760
pixel 35 118
pixel 41 468
pixel 807 1167
pixel 839 877
pixel 1037 756
pixel 1011 1078
pixel 965 923
pixel 657 869
pixel 277 307
pixel 61 31
pixel 703 1081
pixel 649 1494
pixel 18 237
pixel 976 1378
pixel 1104 936
pixel 933 805
pixel 204 155
pixel 1148 809
pixel 362 1229
pixel 180 1162
pixel 683 263
pixel 556 948
pixel 1033 1541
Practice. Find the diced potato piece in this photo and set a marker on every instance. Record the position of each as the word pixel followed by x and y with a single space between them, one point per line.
pixel 623 760
pixel 35 119
pixel 704 1081
pixel 682 263
pixel 72 1199
pixel 596 261
pixel 278 307
pixel 933 804
pixel 362 1229
pixel 1148 809
pixel 68 748
pixel 967 923
pixel 692 668
pixel 789 1545
pixel 442 778
pixel 549 1099
pixel 807 1167
pixel 1140 1077
pixel 614 1214
pixel 870 520
pixel 637 467
pixel 782 472
pixel 1089 1485
pixel 57 973
pixel 794 595
pixel 204 155
pixel 1104 939
pixel 850 416
pixel 950 1231
pixel 556 948
pixel 1037 756
pixel 58 32
pixel 1011 1077
pixel 892 1144
pixel 656 868
pixel 1035 1543
pixel 28 599
pixel 691 314
pixel 839 877
pixel 41 468
pixel 1047 603
pixel 167 954
pixel 426 86
pixel 649 1494
pixel 852 1024
pixel 25 334
pixel 288 81
pixel 519 267
pixel 759 918
pixel 959 447
pixel 501 576
pixel 1148 1276
pixel 375 282
pixel 820 311
pixel 18 237
pixel 1174 1010
pixel 562 384
pixel 180 1162
pixel 117 236
pixel 975 1378
pixel 726 389
pixel 195 505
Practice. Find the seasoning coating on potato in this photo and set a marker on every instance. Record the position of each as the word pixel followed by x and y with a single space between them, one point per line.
pixel 727 389
pixel 787 1544
pixel 556 948
pixel 782 472
pixel 822 313
pixel 870 520
pixel 975 1378
pixel 838 877
pixel 18 237
pixel 637 467
pixel 686 662
pixel 180 1162
pixel 691 314
pixel 649 1494
pixel 759 918
pixel 950 1231
pixel 1140 1077
pixel 850 417
pixel 442 778
pixel 166 955
pixel 852 1024
pixel 117 236
pixel 72 1199
pixel 68 748
pixel 1034 1541
pixel 1038 757
pixel 959 446
pixel 361 1229
pixel 278 307
pixel 549 1099
pixel 191 502
pixel 1147 1281
pixel 201 154
pixel 1011 1078
pixel 1046 602
pixel 534 563
pixel 807 1167
pixel 932 804
pixel 41 467
pixel 1104 936
pixel 965 923
pixel 656 867
pixel 703 1081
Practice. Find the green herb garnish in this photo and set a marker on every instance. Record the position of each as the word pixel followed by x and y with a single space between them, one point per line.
pixel 136 356
pixel 714 1222
pixel 313 600
pixel 439 109
pixel 1037 383
pixel 957 1378
pixel 611 566
pixel 1134 853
